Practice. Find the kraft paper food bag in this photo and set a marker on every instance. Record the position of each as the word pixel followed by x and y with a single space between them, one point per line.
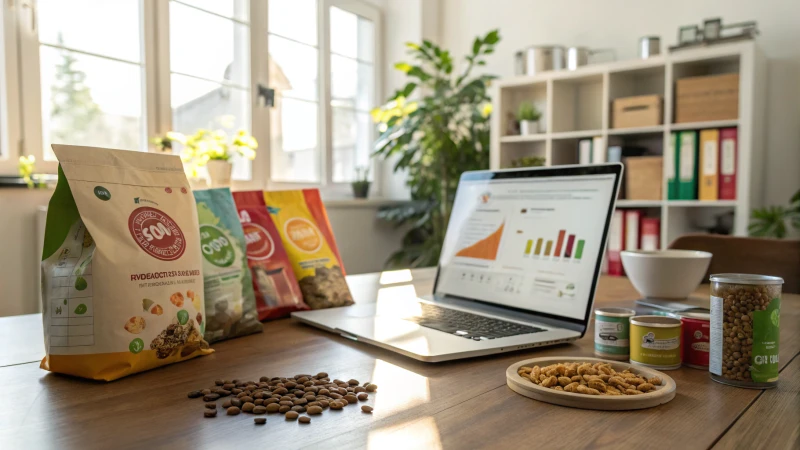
pixel 121 266
pixel 230 301
pixel 274 283
pixel 308 238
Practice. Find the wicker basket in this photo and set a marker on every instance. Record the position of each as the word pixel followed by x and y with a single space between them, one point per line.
pixel 643 177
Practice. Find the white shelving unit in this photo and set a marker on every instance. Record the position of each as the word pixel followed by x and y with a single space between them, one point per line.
pixel 577 104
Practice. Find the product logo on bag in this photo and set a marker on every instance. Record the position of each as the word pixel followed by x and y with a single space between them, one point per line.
pixel 303 235
pixel 259 243
pixel 156 233
pixel 217 248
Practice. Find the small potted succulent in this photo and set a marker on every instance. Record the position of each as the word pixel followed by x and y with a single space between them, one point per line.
pixel 528 117
pixel 361 183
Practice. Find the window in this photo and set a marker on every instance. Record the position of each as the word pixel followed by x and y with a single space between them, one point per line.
pixel 119 73
pixel 352 43
pixel 209 58
pixel 91 89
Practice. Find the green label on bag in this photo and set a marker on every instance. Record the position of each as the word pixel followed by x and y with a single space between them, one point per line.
pixel 217 248
pixel 102 193
pixel 766 330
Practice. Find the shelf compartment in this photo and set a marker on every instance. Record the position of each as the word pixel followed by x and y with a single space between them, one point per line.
pixel 514 151
pixel 580 103
pixel 510 99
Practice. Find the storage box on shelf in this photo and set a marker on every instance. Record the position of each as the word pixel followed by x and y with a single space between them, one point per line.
pixel 639 111
pixel 711 97
pixel 578 105
pixel 643 177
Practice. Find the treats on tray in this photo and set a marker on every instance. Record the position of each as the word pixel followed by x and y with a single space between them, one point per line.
pixel 589 379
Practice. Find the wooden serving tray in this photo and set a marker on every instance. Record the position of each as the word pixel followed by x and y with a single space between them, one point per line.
pixel 522 386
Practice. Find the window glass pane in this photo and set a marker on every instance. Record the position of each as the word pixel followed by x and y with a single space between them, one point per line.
pixel 208 46
pixel 294 19
pixel 109 28
pixel 293 68
pixel 90 101
pixel 200 104
pixel 352 83
pixel 237 9
pixel 352 139
pixel 294 141
pixel 352 35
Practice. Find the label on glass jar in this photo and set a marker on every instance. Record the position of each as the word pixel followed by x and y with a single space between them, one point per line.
pixel 715 338
pixel 766 327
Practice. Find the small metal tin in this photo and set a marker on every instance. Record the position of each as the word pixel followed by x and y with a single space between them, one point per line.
pixel 696 329
pixel 656 342
pixel 612 333
pixel 649 46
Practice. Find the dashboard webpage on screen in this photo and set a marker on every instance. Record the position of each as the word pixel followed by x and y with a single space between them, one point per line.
pixel 527 243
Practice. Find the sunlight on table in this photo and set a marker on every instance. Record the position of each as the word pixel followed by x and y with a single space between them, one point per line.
pixel 421 433
pixel 396 276
pixel 406 389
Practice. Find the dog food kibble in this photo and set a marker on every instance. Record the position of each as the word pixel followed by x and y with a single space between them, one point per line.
pixel 588 379
pixel 293 396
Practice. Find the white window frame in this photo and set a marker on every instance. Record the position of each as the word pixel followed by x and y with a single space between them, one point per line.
pixel 10 120
pixel 21 130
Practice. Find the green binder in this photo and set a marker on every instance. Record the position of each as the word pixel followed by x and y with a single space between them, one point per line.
pixel 672 160
pixel 687 169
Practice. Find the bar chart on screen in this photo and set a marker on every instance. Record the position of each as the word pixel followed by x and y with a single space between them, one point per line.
pixel 567 247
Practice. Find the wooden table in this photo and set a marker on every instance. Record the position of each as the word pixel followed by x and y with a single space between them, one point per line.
pixel 461 404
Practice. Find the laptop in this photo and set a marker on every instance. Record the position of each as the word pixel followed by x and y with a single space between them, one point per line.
pixel 518 269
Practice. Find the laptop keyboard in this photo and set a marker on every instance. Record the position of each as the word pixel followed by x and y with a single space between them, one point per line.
pixel 468 325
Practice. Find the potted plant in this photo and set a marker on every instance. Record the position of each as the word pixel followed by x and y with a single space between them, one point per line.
pixel 433 139
pixel 212 150
pixel 528 161
pixel 528 117
pixel 362 183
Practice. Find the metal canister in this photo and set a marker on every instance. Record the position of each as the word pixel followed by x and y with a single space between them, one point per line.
pixel 696 335
pixel 745 329
pixel 612 333
pixel 656 342
pixel 649 46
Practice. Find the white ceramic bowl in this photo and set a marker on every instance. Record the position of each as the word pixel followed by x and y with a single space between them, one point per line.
pixel 672 274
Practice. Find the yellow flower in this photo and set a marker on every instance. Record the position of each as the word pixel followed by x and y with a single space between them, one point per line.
pixel 487 109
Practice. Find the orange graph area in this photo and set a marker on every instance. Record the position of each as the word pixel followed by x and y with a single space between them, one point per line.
pixel 486 248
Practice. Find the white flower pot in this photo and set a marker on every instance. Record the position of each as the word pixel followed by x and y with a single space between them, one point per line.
pixel 219 173
pixel 528 127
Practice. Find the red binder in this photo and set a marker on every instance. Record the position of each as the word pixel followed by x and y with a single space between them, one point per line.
pixel 728 149
pixel 651 233
pixel 616 242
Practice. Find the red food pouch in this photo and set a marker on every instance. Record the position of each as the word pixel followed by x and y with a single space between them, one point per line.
pixel 274 282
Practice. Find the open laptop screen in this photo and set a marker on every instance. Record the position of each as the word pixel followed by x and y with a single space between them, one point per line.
pixel 531 240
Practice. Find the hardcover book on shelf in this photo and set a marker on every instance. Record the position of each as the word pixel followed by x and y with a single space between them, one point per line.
pixel 687 169
pixel 709 172
pixel 616 241
pixel 728 149
pixel 632 233
pixel 651 232
pixel 598 150
pixel 585 151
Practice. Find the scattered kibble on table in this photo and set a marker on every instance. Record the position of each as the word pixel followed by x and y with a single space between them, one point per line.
pixel 291 396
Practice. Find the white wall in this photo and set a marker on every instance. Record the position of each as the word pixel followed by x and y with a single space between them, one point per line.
pixel 618 24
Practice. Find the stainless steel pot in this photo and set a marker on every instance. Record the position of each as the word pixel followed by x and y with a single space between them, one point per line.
pixel 540 58
pixel 579 56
